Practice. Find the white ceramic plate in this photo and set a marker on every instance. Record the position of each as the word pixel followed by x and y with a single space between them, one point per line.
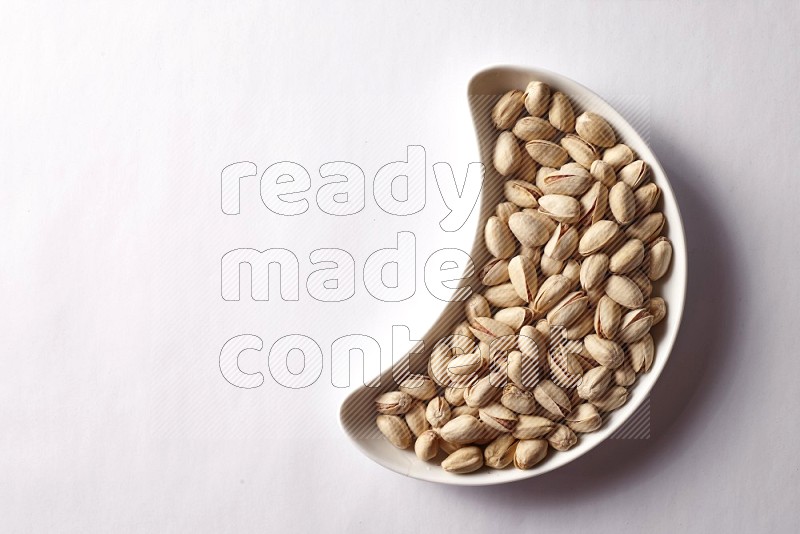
pixel 357 411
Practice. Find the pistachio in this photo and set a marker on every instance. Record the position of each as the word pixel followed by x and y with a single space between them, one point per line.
pixel 647 228
pixel 624 375
pixel 552 398
pixel 529 229
pixel 537 98
pixel 550 266
pixel 660 256
pixel 522 193
pixel 464 460
pixel 618 156
pixel 569 309
pixel 593 271
pixel 546 153
pixel 447 447
pixel 604 351
pixel 611 399
pixel 658 309
pixel 642 282
pixel 529 452
pixel 603 172
pixel 437 412
pixel 570 182
pixel 531 342
pixel 395 430
pixel 477 306
pixel 500 452
pixel 481 393
pixel 580 328
pixel 584 418
pixel 646 198
pixel 515 317
pixel 522 272
pixel 562 243
pixel 607 317
pixel 565 367
pixel 552 290
pixel 628 257
pixel 393 403
pixel 419 386
pixel 466 364
pixel 427 445
pixel 504 210
pixel 541 174
pixel 562 438
pixel 579 150
pixel 597 236
pixel 507 155
pixel 463 410
pixel 454 395
pixel 572 270
pixel 635 174
pixel 487 329
pixel 533 128
pixel 499 239
pixel 560 208
pixel 523 371
pixel 437 363
pixel 594 129
pixel 635 324
pixel 594 204
pixel 561 115
pixel 622 203
pixel 462 429
pixel 507 109
pixel 642 353
pixel 503 296
pixel 533 426
pixel 516 399
pixel 498 417
pixel 624 291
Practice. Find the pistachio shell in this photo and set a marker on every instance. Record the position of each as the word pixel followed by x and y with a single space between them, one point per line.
pixel 550 266
pixel 522 272
pixel 594 204
pixel 498 417
pixel 635 324
pixel 642 353
pixel 454 395
pixel 658 309
pixel 507 109
pixel 594 383
pixel 463 410
pixel 464 460
pixel 551 292
pixel 529 229
pixel 648 228
pixel 624 375
pixel 533 426
pixel 646 198
pixel 624 291
pixel 516 399
pixel 505 209
pixel 627 258
pixel 515 317
pixel 481 393
pixel 562 438
pixel 604 351
pixel 393 403
pixel 499 239
pixel 419 386
pixel 466 364
pixel 597 236
pixel 562 243
pixel 395 430
pixel 503 296
pixel 579 150
pixel 660 257
pixel 529 452
pixel 537 98
pixel 507 154
pixel 462 429
pixel 571 182
pixel 552 398
pixel 622 203
pixel 416 420
pixel 427 445
pixel 635 174
pixel 618 156
pixel 477 306
pixel 607 317
pixel 603 172
pixel 532 343
pixel 500 452
pixel 594 129
pixel 532 128
pixel 642 282
pixel 561 115
pixel 523 371
pixel 612 399
pixel 546 153
pixel 522 193
pixel 584 418
pixel 487 329
pixel 580 328
pixel 569 309
pixel 541 174
pixel 560 208
pixel 594 270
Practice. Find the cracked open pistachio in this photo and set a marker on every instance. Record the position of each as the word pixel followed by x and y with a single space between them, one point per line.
pixel 500 452
pixel 552 398
pixel 393 403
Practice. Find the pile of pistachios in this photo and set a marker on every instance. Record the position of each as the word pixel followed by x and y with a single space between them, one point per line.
pixel 562 326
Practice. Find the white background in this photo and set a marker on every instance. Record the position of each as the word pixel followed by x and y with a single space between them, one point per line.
pixel 116 123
